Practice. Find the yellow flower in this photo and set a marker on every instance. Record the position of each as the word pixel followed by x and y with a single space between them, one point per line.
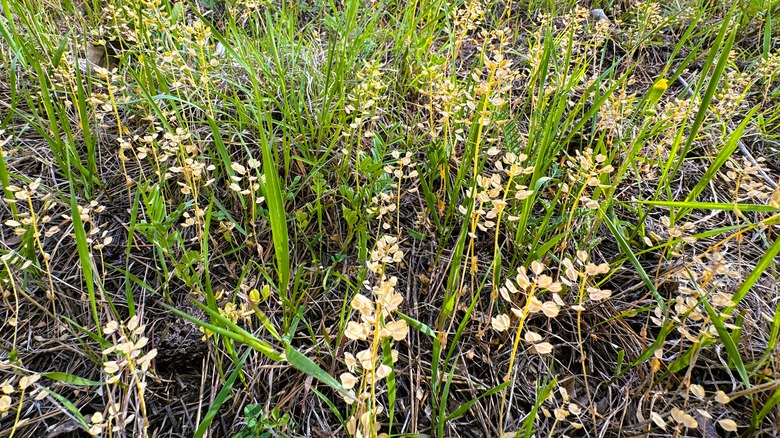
pixel 26 381
pixel 658 89
pixel 111 367
pixel 111 327
pixel 532 337
pixel 544 281
pixel 597 294
pixel 96 418
pixel 722 398
pixel 390 302
pixel 593 269
pixel 522 279
pixel 728 425
pixel 534 304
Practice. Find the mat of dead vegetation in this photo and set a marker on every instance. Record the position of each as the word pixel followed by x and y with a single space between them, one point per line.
pixel 381 218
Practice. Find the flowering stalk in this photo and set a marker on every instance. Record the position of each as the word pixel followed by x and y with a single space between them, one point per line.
pixel 375 326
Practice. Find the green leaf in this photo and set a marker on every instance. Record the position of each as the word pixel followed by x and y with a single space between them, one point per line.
pixel 618 234
pixel 415 234
pixel 55 59
pixel 387 359
pixel 718 162
pixel 291 355
pixel 277 215
pixel 72 409
pixel 770 346
pixel 544 249
pixel 541 396
pixel 221 397
pixel 417 325
pixel 728 342
pixel 70 379
pixel 336 412
pixel 648 353
pixel 310 368
pixel 685 359
pixel 84 254
pixel 711 206
pixel 239 336
pixel 462 409
pixel 763 264
pixel 768 407
pixel 714 80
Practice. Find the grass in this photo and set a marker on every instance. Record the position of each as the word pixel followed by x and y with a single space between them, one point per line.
pixel 380 218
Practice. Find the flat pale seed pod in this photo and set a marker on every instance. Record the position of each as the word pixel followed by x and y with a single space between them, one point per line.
pixel 532 337
pixel 550 309
pixel 658 420
pixel 728 425
pixel 690 422
pixel 722 398
pixel 698 391
pixel 543 348
pixel 678 415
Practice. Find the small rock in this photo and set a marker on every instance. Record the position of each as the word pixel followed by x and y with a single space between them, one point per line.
pixel 599 15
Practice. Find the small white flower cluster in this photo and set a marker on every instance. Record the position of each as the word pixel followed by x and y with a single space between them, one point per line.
pixel 529 286
pixel 129 347
pixel 130 363
pixel 376 326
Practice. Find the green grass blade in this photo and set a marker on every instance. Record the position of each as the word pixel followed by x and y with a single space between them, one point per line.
pixel 244 337
pixel 648 353
pixel 419 326
pixel 70 379
pixel 626 249
pixel 728 342
pixel 128 251
pixel 221 398
pixel 331 406
pixel 770 346
pixel 278 217
pixel 310 368
pixel 462 409
pixel 442 405
pixel 762 266
pixel 712 206
pixel 236 333
pixel 390 380
pixel 769 405
pixel 84 256
pixel 5 179
pixel 541 396
pixel 713 84
pixel 685 359
pixel 72 409
pixel 725 153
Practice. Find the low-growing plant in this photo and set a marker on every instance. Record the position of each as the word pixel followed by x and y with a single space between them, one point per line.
pixel 258 423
